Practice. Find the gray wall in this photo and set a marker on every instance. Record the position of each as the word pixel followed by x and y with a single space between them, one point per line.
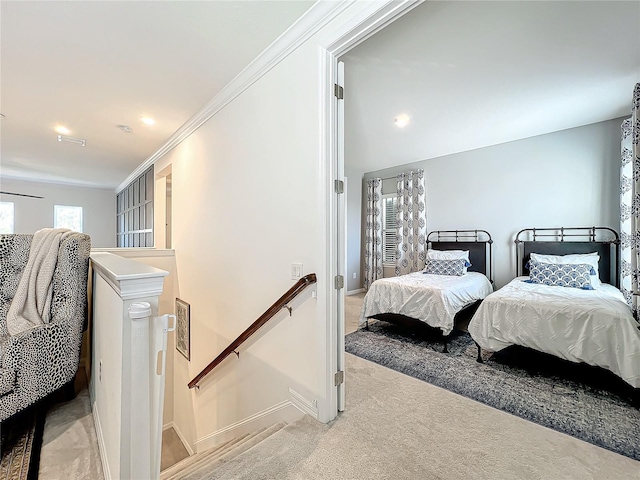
pixel 567 178
pixel 31 214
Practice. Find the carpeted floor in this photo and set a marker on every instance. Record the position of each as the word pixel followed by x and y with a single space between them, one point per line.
pixel 396 427
pixel 20 442
pixel 579 400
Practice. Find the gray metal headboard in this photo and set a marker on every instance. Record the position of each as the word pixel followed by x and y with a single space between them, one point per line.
pixel 559 241
pixel 478 242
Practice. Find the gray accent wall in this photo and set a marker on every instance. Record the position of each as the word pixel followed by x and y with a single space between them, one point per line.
pixel 568 178
pixel 32 214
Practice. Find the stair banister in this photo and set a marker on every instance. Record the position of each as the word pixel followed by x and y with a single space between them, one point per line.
pixel 126 388
pixel 281 303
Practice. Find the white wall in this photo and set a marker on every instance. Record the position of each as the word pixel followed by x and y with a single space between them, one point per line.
pixel 237 226
pixel 568 178
pixel 246 203
pixel 31 214
pixel 355 232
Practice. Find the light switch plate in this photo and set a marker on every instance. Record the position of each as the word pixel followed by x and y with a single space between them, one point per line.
pixel 296 271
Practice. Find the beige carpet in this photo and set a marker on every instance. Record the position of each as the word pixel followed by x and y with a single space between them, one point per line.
pixel 69 444
pixel 352 307
pixel 173 451
pixel 397 427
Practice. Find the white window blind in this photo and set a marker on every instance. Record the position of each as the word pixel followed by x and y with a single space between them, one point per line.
pixel 389 232
pixel 6 217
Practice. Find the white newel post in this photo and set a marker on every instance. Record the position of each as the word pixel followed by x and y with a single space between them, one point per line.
pixel 128 360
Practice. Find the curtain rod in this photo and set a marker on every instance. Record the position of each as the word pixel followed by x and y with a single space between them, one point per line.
pixel 395 177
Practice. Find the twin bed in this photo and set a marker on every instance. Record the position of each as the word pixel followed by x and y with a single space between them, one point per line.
pixel 583 325
pixel 435 300
pixel 587 322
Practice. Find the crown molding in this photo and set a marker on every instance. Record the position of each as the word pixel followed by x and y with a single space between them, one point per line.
pixel 320 13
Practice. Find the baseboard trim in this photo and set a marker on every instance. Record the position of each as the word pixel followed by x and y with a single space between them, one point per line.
pixel 354 292
pixel 310 407
pixel 282 412
pixel 100 436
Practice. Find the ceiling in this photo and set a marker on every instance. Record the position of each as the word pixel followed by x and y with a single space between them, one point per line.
pixel 475 74
pixel 93 65
pixel 468 74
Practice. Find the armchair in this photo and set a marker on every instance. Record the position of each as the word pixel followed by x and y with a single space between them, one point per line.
pixel 42 359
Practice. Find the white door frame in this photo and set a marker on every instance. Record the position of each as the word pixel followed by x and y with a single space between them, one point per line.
pixel 371 18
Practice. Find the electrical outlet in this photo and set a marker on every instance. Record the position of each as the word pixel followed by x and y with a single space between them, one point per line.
pixel 354 275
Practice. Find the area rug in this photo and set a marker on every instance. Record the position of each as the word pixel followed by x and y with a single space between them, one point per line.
pixel 586 402
pixel 20 442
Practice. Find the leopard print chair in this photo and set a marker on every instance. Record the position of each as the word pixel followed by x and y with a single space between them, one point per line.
pixel 39 361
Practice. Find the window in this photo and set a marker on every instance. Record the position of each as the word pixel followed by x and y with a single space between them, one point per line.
pixel 6 217
pixel 389 231
pixel 65 216
pixel 134 212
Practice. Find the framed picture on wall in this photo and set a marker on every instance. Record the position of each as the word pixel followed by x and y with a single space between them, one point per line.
pixel 183 328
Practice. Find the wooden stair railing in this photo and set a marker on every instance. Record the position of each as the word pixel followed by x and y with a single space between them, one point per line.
pixel 281 303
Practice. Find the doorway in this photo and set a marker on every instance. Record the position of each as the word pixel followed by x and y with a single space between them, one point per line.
pixel 167 224
pixel 162 215
pixel 376 17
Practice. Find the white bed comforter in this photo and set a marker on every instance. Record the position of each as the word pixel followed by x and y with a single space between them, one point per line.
pixel 434 299
pixel 591 326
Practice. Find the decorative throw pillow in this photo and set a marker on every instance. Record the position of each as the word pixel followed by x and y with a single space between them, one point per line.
pixel 449 255
pixel 573 259
pixel 561 275
pixel 445 267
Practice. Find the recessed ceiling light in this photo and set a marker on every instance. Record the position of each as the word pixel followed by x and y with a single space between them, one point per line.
pixel 147 120
pixel 125 128
pixel 62 130
pixel 75 140
pixel 401 121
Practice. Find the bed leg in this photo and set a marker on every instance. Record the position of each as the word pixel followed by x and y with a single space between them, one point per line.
pixel 446 348
pixel 479 359
pixel 366 324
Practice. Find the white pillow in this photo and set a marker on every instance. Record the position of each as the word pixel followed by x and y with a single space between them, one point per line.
pixel 449 255
pixel 573 259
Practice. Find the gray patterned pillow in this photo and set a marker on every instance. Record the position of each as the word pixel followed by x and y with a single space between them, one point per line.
pixel 445 267
pixel 561 275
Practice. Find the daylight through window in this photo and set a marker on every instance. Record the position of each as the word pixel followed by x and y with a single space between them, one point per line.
pixel 389 230
pixel 6 217
pixel 68 217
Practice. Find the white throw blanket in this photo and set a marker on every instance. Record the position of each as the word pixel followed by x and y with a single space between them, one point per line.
pixel 31 305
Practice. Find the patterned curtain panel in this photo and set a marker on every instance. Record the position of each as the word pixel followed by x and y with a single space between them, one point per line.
pixel 411 223
pixel 373 233
pixel 630 204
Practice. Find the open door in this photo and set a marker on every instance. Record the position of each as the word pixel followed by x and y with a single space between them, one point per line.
pixel 342 232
